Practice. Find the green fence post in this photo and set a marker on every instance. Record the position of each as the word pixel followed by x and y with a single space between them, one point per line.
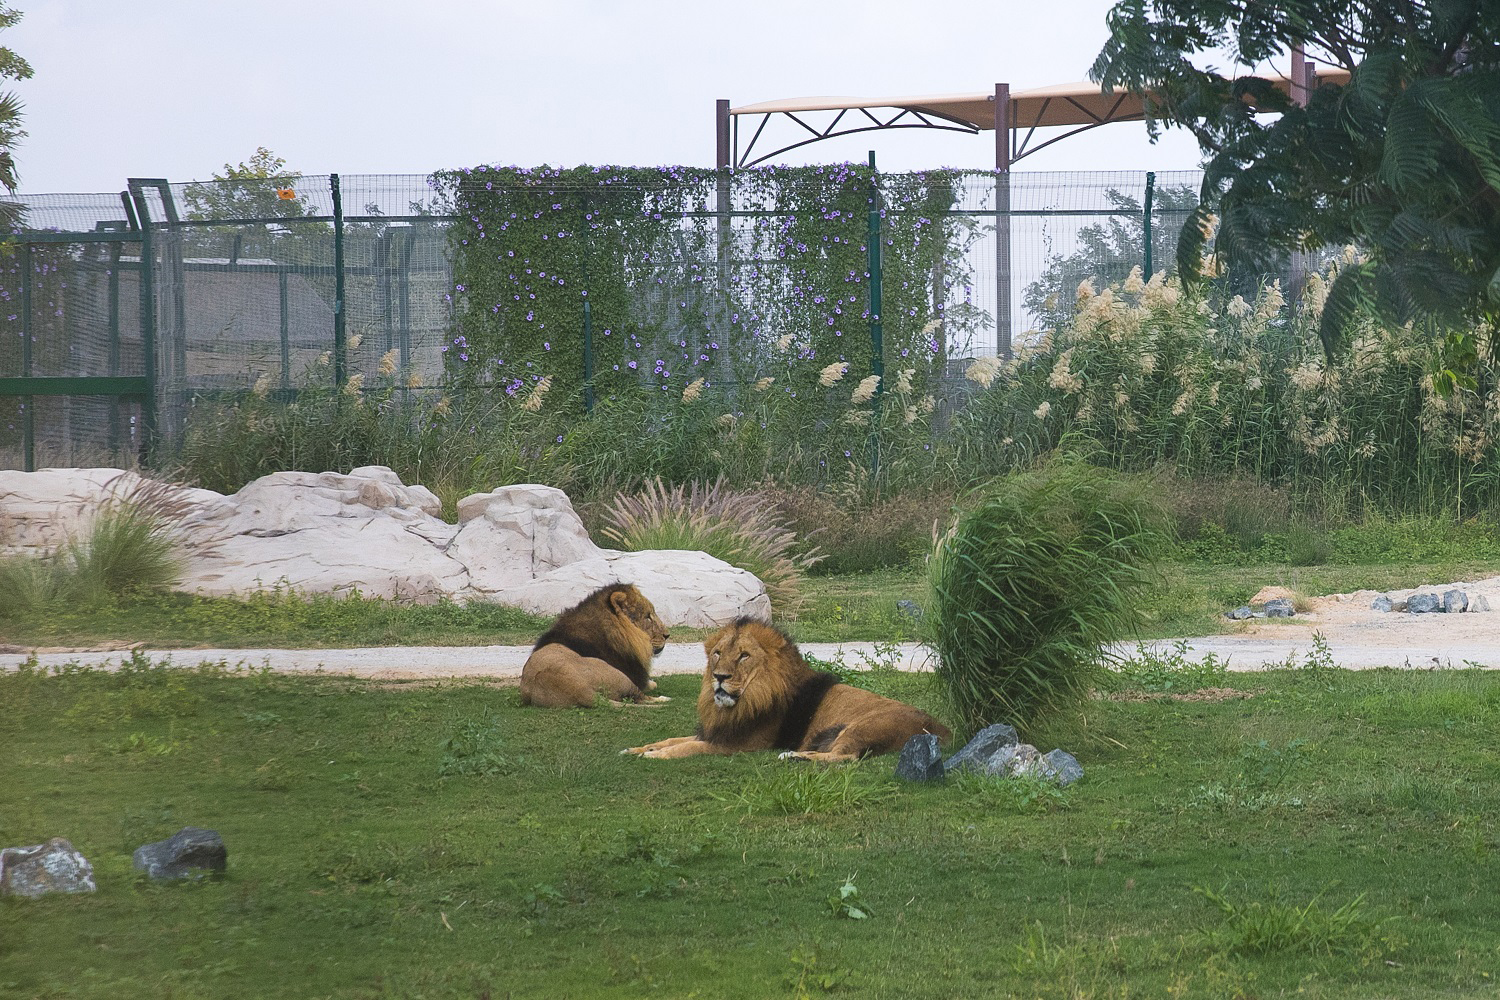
pixel 148 317
pixel 1146 219
pixel 877 334
pixel 28 416
pixel 114 343
pixel 588 321
pixel 284 311
pixel 340 342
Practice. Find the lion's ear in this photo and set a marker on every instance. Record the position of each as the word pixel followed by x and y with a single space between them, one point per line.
pixel 620 601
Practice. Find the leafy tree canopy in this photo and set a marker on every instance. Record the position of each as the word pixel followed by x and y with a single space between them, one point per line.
pixel 12 67
pixel 1403 161
pixel 260 188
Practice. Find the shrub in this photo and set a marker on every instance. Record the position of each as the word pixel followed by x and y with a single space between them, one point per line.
pixel 1036 575
pixel 741 528
pixel 858 535
pixel 130 547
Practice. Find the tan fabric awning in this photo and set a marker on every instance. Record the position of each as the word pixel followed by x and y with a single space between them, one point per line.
pixel 1061 104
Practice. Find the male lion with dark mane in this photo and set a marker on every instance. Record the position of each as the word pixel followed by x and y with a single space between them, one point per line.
pixel 759 694
pixel 604 645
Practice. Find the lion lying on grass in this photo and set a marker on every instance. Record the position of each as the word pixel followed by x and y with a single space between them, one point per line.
pixel 604 645
pixel 759 694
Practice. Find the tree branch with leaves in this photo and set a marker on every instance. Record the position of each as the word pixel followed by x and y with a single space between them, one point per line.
pixel 1403 161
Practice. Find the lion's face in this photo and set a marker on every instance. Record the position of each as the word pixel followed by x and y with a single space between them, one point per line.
pixel 737 656
pixel 632 605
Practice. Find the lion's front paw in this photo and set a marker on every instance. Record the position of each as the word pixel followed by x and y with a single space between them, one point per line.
pixel 791 755
pixel 638 751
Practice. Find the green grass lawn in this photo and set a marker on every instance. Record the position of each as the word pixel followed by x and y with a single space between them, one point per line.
pixel 1336 835
pixel 1189 600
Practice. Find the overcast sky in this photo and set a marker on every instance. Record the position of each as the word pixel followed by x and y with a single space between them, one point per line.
pixel 177 88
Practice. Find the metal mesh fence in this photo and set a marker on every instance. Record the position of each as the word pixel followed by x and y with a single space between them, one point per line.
pixel 254 287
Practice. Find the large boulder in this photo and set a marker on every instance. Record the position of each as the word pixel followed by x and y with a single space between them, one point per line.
pixel 325 533
pixel 525 546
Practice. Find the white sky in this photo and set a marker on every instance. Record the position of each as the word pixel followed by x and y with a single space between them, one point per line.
pixel 177 88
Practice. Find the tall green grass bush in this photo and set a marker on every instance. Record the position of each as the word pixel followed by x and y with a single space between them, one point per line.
pixel 1038 572
pixel 130 547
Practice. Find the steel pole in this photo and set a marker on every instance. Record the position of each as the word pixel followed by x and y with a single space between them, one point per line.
pixel 1002 220
pixel 877 332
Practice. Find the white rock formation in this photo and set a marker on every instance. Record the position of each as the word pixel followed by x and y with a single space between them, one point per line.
pixel 368 532
pixel 42 510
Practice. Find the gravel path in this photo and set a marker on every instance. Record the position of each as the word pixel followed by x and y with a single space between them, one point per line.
pixel 1425 645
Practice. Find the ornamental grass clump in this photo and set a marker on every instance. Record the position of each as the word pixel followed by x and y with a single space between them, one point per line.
pixel 129 548
pixel 1037 574
pixel 744 529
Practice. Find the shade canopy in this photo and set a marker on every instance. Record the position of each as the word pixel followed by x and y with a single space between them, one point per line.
pixel 1059 104
pixel 1072 106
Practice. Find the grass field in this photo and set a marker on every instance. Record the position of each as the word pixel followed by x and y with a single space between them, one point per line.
pixel 1336 835
pixel 1189 600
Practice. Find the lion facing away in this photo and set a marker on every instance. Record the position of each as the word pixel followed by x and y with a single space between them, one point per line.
pixel 604 645
pixel 759 694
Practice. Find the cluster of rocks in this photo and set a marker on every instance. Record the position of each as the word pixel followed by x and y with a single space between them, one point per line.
pixel 1278 607
pixel 1452 601
pixel 57 866
pixel 995 750
pixel 367 532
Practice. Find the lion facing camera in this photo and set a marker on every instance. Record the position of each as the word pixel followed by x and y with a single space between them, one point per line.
pixel 604 645
pixel 759 694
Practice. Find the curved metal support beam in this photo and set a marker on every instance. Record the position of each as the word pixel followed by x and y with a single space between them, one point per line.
pixel 832 131
pixel 1023 151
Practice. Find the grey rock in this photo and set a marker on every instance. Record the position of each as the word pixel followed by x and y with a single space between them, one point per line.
pixel 1381 604
pixel 51 867
pixel 1240 613
pixel 1062 766
pixel 910 609
pixel 1009 761
pixel 186 854
pixel 920 759
pixel 1455 602
pixel 1281 607
pixel 1478 602
pixel 977 752
pixel 1423 604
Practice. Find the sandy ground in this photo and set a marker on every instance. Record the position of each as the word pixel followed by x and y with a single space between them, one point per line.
pixel 1357 638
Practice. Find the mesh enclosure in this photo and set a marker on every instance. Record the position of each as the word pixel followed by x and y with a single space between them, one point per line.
pixel 71 309
pixel 621 281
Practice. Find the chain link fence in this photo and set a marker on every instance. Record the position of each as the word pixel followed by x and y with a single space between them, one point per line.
pixel 118 311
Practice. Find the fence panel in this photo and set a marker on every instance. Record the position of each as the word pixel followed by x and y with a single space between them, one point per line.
pixel 245 293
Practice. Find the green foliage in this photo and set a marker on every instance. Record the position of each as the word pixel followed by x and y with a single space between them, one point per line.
pixel 846 902
pixel 1270 926
pixel 1020 793
pixel 1162 670
pixel 805 791
pixel 1040 570
pixel 261 188
pixel 532 248
pixel 743 529
pixel 12 67
pixel 1235 393
pixel 1403 160
pixel 129 549
pixel 473 751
